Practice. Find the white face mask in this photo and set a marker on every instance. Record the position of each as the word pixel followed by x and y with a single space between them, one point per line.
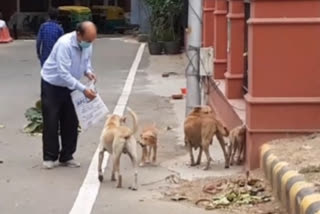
pixel 84 44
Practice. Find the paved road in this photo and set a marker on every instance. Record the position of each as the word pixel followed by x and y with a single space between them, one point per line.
pixel 26 188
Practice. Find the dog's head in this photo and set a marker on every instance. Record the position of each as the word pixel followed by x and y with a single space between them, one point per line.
pixel 146 138
pixel 200 110
pixel 243 129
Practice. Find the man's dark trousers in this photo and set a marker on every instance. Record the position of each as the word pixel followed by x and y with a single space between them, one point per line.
pixel 58 111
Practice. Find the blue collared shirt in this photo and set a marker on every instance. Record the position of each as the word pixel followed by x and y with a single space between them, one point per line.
pixel 48 35
pixel 67 63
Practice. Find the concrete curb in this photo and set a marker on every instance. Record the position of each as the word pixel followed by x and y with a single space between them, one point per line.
pixel 297 195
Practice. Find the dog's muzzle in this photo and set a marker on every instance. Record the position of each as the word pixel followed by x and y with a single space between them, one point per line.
pixel 142 145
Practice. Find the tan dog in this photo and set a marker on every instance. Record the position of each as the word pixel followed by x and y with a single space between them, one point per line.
pixel 116 138
pixel 200 127
pixel 148 142
pixel 237 144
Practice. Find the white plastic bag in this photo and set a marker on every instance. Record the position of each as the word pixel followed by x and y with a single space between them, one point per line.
pixel 88 112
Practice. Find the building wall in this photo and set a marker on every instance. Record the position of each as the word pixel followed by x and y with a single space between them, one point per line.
pixel 140 15
pixel 7 8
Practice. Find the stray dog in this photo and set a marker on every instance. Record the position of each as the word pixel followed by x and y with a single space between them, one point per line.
pixel 116 138
pixel 148 142
pixel 200 126
pixel 237 144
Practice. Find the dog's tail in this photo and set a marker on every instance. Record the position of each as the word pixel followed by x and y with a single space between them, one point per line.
pixel 135 120
pixel 222 129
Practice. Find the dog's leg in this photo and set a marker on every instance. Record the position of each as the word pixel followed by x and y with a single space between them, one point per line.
pixel 233 151
pixel 191 155
pixel 199 156
pixel 149 154
pixel 154 159
pixel 117 171
pixel 132 152
pixel 240 148
pixel 230 151
pixel 244 150
pixel 101 155
pixel 115 165
pixel 241 152
pixel 223 147
pixel 135 176
pixel 144 156
pixel 209 159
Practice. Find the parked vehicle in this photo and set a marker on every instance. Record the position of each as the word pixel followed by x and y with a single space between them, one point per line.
pixel 110 19
pixel 70 16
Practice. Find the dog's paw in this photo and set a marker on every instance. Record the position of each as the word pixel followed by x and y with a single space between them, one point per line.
pixel 100 178
pixel 113 178
pixel 133 188
pixel 226 166
pixel 141 164
pixel 206 168
pixel 193 164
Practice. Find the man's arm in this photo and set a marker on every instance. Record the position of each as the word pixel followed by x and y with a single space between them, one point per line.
pixel 89 71
pixel 64 65
pixel 39 42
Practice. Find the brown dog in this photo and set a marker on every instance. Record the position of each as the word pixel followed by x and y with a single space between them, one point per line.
pixel 116 138
pixel 148 142
pixel 200 126
pixel 237 144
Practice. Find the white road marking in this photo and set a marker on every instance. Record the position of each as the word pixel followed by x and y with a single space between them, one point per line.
pixel 90 188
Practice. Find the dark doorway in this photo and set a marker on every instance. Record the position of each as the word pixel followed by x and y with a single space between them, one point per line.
pixel 245 77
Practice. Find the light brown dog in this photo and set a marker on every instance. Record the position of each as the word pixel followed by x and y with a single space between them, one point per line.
pixel 200 126
pixel 116 138
pixel 237 144
pixel 148 141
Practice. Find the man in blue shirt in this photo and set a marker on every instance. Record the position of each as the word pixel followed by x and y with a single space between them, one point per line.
pixel 48 35
pixel 69 61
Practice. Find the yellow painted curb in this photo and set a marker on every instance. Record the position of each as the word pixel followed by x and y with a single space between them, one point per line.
pixel 269 160
pixel 284 180
pixel 293 194
pixel 276 169
pixel 264 149
pixel 307 201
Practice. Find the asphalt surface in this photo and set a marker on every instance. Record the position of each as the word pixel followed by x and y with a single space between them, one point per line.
pixel 24 186
pixel 27 188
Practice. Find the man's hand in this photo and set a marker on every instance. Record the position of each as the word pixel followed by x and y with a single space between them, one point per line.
pixel 91 76
pixel 90 94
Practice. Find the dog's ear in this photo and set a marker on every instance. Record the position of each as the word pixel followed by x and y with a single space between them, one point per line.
pixel 197 109
pixel 123 119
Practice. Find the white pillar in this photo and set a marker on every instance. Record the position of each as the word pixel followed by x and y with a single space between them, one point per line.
pixel 194 45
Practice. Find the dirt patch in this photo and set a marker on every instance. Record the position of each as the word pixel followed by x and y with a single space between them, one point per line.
pixel 302 154
pixel 239 194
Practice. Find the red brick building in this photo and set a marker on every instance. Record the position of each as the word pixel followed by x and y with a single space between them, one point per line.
pixel 266 57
